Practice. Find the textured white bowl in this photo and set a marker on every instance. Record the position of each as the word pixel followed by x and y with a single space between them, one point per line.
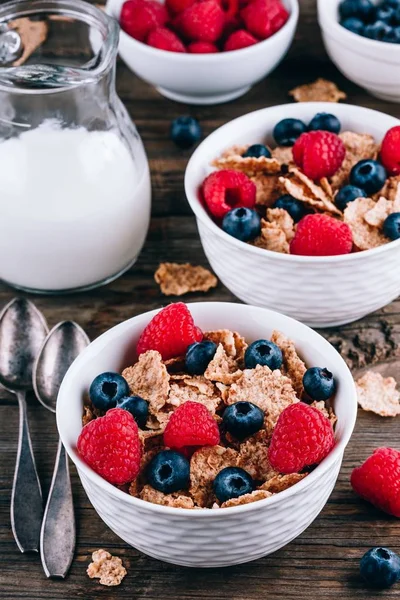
pixel 373 65
pixel 207 538
pixel 320 291
pixel 205 78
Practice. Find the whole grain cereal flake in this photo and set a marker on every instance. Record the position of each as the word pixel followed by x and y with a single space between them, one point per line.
pixel 365 236
pixel 359 146
pixel 301 187
pixel 272 238
pixel 223 368
pixel 109 569
pixel 294 367
pixel 178 279
pixel 149 379
pixel 320 90
pixel 247 498
pixel 205 465
pixel 234 344
pixel 378 394
pixel 279 483
pixel 249 165
pixel 176 499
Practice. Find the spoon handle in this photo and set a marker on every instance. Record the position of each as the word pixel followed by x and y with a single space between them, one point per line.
pixel 26 498
pixel 57 537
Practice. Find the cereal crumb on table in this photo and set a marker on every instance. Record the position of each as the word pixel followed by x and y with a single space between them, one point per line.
pixel 32 33
pixel 178 279
pixel 109 569
pixel 378 394
pixel 320 90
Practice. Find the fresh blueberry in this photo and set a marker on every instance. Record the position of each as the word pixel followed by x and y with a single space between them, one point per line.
pixel 232 482
pixel 138 407
pixel 362 9
pixel 369 175
pixel 257 150
pixel 377 31
pixel 287 131
pixel 296 209
pixel 385 13
pixel 391 226
pixel 347 194
pixel 396 17
pixel 198 357
pixel 392 3
pixel 380 567
pixel 106 389
pixel 168 471
pixel 326 122
pixel 242 419
pixel 185 131
pixel 242 223
pixel 354 25
pixel 263 352
pixel 393 37
pixel 318 383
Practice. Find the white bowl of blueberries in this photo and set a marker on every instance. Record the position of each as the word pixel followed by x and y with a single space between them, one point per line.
pixel 362 37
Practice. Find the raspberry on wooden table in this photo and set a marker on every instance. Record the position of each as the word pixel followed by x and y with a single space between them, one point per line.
pixel 319 153
pixel 378 480
pixel 112 447
pixel 227 189
pixel 170 332
pixel 302 437
pixel 390 150
pixel 191 425
pixel 203 21
pixel 239 39
pixel 321 235
pixel 139 17
pixel 165 39
pixel 263 18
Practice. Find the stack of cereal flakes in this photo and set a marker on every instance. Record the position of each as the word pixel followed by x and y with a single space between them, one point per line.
pixel 279 175
pixel 166 386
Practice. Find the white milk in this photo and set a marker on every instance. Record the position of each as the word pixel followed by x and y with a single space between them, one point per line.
pixel 74 210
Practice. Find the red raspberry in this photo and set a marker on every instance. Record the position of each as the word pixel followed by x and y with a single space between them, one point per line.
pixel 178 6
pixel 390 151
pixel 227 189
pixel 139 17
pixel 321 235
pixel 202 48
pixel 112 447
pixel 165 39
pixel 263 18
pixel 170 332
pixel 302 437
pixel 191 425
pixel 378 480
pixel 239 39
pixel 231 8
pixel 203 21
pixel 319 153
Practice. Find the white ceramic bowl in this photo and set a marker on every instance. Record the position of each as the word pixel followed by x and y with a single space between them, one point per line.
pixel 207 538
pixel 373 65
pixel 320 291
pixel 205 78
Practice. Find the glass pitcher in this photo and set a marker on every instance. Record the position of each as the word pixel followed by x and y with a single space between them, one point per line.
pixel 75 191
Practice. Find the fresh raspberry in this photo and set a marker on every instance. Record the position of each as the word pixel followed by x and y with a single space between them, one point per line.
pixel 231 8
pixel 227 189
pixel 191 425
pixel 165 39
pixel 139 17
pixel 378 480
pixel 202 48
pixel 319 153
pixel 178 6
pixel 302 437
pixel 231 24
pixel 203 21
pixel 111 446
pixel 263 18
pixel 321 235
pixel 170 332
pixel 239 39
pixel 390 151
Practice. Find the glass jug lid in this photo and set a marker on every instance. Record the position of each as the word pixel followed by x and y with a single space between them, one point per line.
pixel 54 43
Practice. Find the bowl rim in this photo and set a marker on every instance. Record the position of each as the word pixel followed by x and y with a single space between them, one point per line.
pixel 184 57
pixel 112 335
pixel 203 216
pixel 323 9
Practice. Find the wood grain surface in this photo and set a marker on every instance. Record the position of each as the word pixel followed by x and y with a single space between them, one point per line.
pixel 323 562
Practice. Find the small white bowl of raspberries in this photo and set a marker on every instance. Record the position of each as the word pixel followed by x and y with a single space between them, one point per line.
pixel 204 51
pixel 208 434
pixel 298 209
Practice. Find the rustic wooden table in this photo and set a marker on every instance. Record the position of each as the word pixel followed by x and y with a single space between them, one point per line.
pixel 323 562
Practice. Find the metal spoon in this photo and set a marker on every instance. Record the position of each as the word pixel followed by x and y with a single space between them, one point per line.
pixel 57 537
pixel 22 331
